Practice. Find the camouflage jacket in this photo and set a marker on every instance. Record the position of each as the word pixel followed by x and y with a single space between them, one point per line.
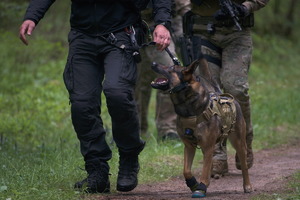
pixel 209 7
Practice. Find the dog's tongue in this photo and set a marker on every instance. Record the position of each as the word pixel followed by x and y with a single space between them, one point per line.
pixel 160 83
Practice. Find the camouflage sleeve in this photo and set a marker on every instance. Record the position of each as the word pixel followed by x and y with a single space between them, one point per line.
pixel 254 5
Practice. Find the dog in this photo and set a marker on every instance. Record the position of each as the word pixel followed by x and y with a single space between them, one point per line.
pixel 203 118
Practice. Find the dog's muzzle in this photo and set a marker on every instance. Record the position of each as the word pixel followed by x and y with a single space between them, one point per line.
pixel 161 84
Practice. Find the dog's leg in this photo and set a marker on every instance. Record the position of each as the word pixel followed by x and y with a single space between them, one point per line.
pixel 207 163
pixel 239 143
pixel 198 189
pixel 189 154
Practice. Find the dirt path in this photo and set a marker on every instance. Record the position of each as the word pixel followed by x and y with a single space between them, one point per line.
pixel 269 174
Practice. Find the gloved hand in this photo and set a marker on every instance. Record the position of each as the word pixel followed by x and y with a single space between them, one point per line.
pixel 239 10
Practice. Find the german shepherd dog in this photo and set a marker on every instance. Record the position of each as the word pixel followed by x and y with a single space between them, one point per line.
pixel 199 122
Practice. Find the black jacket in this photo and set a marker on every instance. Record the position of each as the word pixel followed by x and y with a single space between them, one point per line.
pixel 99 17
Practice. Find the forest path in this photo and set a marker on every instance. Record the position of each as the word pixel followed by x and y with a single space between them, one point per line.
pixel 269 175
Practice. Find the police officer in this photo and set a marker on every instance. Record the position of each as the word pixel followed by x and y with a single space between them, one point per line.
pixel 165 119
pixel 101 58
pixel 229 53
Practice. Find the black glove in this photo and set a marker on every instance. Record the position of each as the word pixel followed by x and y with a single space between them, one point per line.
pixel 238 9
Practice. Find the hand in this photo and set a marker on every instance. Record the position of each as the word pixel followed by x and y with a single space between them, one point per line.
pixel 239 10
pixel 162 37
pixel 26 29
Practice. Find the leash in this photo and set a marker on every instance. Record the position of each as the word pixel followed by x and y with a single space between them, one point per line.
pixel 174 58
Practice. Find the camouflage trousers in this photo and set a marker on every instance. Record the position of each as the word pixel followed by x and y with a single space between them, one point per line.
pixel 165 114
pixel 232 76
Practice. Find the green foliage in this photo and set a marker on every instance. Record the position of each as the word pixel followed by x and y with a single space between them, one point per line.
pixel 273 82
pixel 12 12
pixel 32 93
pixel 280 18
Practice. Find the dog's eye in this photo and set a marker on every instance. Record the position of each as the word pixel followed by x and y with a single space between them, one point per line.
pixel 171 68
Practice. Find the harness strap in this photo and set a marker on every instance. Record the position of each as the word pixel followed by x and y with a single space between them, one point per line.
pixel 215 48
pixel 210 45
pixel 221 105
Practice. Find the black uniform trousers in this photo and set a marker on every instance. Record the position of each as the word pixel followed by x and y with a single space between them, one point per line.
pixel 93 66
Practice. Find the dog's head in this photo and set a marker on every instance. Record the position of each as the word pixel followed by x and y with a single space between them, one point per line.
pixel 188 93
pixel 176 78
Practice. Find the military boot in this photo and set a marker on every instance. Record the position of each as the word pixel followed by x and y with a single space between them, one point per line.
pixel 97 180
pixel 128 170
pixel 245 106
pixel 219 168
pixel 219 164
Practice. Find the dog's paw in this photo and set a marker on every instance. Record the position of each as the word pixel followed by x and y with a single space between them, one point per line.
pixel 248 188
pixel 199 194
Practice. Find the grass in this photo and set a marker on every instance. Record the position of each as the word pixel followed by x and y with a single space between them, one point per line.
pixel 39 151
pixel 274 83
pixel 49 173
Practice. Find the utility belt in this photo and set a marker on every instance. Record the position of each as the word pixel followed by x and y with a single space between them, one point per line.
pixel 193 22
pixel 244 22
pixel 138 38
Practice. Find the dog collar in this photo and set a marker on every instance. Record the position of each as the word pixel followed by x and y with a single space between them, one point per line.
pixel 178 87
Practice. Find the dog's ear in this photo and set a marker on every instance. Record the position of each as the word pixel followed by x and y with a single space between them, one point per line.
pixel 204 72
pixel 203 67
pixel 192 67
pixel 189 70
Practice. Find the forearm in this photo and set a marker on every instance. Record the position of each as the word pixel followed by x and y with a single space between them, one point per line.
pixel 161 11
pixel 254 5
pixel 37 9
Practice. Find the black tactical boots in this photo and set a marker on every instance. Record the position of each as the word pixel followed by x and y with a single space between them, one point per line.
pixel 98 171
pixel 97 180
pixel 128 170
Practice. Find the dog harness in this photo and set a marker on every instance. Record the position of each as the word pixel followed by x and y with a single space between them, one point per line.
pixel 221 105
